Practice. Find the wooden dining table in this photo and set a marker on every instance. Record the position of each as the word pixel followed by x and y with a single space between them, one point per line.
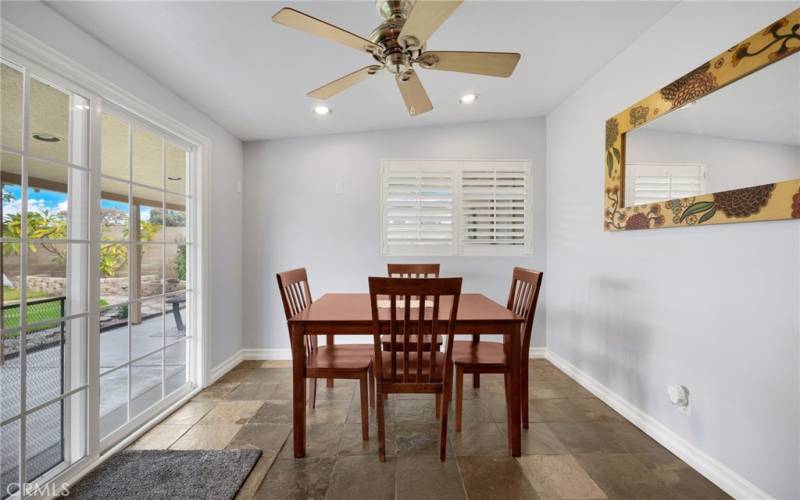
pixel 350 314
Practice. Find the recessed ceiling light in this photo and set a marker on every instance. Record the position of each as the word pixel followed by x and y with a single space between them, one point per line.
pixel 468 98
pixel 46 137
pixel 322 110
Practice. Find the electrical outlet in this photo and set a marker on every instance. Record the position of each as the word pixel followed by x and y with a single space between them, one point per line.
pixel 338 188
pixel 679 396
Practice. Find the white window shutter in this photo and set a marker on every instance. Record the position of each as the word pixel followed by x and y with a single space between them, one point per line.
pixel 418 207
pixel 655 182
pixel 494 208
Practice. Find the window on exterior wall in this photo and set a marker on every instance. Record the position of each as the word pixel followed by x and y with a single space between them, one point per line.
pixel 445 207
pixel 654 182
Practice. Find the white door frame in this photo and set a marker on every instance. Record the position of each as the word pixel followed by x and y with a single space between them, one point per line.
pixel 17 45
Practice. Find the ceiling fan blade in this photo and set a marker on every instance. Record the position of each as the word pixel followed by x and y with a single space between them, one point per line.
pixel 479 63
pixel 425 17
pixel 303 22
pixel 413 93
pixel 331 89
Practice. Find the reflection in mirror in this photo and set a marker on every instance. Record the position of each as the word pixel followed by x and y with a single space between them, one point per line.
pixel 745 134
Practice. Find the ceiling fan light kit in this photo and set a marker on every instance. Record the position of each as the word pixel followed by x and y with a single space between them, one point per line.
pixel 397 45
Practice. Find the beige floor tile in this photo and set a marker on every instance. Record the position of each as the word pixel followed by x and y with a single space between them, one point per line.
pixel 190 413
pixel 282 363
pixel 207 437
pixel 559 476
pixel 257 475
pixel 231 412
pixel 216 391
pixel 160 437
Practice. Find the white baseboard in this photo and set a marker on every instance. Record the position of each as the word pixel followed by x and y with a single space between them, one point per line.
pixel 537 353
pixel 729 481
pixel 229 364
pixel 267 354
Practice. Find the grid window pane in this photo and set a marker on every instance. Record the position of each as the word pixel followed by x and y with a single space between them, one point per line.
pixel 44 439
pixel 50 293
pixel 175 223
pixel 175 367
pixel 113 337
pixel 48 376
pixel 9 266
pixel 11 108
pixel 113 273
pixel 147 326
pixel 175 279
pixel 148 205
pixel 148 157
pixel 114 147
pixel 48 117
pixel 57 207
pixel 113 401
pixel 114 210
pixel 176 169
pixel 150 272
pixel 176 318
pixel 10 176
pixel 146 383
pixel 10 400
pixel 9 458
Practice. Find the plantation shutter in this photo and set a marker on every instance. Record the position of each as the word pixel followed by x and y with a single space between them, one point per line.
pixel 494 208
pixel 418 207
pixel 654 182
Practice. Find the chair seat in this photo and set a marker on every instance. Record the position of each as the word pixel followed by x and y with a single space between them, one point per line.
pixel 412 340
pixel 412 365
pixel 482 353
pixel 352 357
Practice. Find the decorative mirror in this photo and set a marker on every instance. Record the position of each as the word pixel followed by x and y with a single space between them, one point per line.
pixel 712 147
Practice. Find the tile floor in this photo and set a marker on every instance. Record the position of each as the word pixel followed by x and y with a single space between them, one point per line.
pixel 576 447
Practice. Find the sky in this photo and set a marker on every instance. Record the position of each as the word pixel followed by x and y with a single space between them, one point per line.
pixel 40 200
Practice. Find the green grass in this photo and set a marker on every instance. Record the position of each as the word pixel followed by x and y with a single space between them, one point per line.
pixel 48 312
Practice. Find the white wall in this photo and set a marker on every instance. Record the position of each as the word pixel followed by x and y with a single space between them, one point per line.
pixel 226 158
pixel 713 308
pixel 730 163
pixel 294 219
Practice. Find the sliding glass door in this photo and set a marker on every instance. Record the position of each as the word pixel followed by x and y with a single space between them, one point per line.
pixel 45 177
pixel 144 271
pixel 98 266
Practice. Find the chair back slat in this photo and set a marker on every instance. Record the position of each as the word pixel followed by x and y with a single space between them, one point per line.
pixel 522 300
pixel 413 270
pixel 296 297
pixel 432 289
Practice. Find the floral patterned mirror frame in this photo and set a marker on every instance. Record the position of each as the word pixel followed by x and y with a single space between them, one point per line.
pixel 775 201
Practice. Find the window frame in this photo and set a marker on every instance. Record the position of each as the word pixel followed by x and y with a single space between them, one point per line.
pixel 459 249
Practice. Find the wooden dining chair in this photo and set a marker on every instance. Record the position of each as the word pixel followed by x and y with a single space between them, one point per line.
pixel 490 357
pixel 399 369
pixel 415 271
pixel 344 361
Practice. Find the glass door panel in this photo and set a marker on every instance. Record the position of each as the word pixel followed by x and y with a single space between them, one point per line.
pixel 45 267
pixel 144 323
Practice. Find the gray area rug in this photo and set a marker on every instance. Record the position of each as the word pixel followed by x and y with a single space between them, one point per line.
pixel 168 474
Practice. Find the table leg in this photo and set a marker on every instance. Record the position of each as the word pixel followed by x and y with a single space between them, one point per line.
pixel 299 390
pixel 515 432
pixel 329 342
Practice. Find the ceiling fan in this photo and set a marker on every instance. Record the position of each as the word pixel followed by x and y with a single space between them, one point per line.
pixel 398 44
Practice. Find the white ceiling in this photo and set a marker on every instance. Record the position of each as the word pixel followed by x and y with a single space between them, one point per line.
pixel 763 107
pixel 229 60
